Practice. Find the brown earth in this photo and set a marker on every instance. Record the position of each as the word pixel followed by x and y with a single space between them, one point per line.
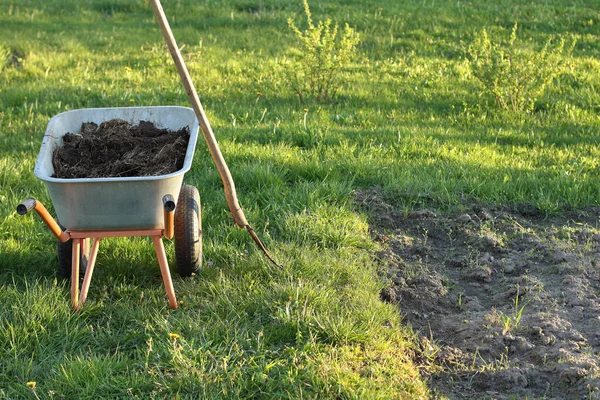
pixel 119 149
pixel 504 304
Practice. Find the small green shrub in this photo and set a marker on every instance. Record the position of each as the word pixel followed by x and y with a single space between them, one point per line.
pixel 514 75
pixel 323 54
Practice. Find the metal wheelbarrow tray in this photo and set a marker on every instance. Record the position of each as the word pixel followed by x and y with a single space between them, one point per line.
pixel 113 203
pixel 95 208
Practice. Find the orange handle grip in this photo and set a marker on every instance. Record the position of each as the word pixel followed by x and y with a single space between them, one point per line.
pixel 169 205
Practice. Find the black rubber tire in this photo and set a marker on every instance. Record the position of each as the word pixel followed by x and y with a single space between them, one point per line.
pixel 65 258
pixel 188 232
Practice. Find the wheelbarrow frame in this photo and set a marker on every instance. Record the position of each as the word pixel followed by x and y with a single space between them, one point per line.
pixel 78 237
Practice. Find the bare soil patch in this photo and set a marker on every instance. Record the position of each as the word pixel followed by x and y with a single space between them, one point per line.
pixel 505 304
pixel 116 148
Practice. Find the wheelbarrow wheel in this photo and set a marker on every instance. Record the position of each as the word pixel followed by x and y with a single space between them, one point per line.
pixel 188 231
pixel 65 258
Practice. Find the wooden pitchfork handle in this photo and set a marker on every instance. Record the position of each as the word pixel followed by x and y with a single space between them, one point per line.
pixel 209 137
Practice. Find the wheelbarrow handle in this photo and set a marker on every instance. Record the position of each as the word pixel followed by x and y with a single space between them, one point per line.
pixel 169 215
pixel 33 204
pixel 168 202
pixel 26 206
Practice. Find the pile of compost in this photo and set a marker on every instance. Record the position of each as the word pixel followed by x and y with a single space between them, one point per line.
pixel 117 148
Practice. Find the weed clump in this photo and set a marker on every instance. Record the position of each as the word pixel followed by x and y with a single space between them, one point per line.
pixel 515 76
pixel 4 56
pixel 324 52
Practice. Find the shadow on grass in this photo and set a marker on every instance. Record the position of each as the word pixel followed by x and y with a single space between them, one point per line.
pixel 39 260
pixel 26 263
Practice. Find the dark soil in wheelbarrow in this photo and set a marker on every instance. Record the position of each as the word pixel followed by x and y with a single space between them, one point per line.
pixel 116 148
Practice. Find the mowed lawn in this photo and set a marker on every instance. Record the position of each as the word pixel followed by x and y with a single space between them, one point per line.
pixel 411 118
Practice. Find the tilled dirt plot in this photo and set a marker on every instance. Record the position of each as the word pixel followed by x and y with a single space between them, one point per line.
pixel 119 149
pixel 506 304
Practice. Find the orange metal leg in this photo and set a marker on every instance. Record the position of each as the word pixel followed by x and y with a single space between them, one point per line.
pixel 76 256
pixel 90 270
pixel 164 270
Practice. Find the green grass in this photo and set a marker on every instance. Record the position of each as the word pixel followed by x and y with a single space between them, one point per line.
pixel 411 119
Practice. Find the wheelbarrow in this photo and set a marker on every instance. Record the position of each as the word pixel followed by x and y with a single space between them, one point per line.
pixel 90 209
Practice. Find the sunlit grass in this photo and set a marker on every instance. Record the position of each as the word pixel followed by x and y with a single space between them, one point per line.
pixel 412 119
